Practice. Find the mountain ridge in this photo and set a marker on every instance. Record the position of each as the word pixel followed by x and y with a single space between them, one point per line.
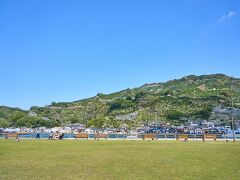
pixel 176 101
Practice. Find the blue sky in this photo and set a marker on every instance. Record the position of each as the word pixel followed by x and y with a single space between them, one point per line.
pixel 69 50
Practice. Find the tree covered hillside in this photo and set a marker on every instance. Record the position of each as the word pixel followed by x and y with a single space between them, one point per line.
pixel 176 101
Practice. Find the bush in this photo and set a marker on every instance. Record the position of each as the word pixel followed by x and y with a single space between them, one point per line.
pixel 96 122
pixel 225 93
pixel 121 104
pixel 139 95
pixel 174 115
pixel 204 113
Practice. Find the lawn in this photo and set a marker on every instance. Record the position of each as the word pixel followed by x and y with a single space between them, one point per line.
pixel 44 159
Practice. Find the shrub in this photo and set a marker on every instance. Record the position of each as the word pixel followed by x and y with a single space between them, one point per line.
pixel 121 104
pixel 174 115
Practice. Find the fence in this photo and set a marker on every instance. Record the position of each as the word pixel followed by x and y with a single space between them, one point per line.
pixel 126 136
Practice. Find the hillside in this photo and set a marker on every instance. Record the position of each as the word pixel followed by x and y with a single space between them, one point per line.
pixel 9 116
pixel 175 101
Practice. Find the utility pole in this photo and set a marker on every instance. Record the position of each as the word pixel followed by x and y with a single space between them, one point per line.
pixel 156 119
pixel 233 131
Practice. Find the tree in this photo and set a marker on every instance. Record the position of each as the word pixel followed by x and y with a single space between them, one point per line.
pixel 121 104
pixel 16 116
pixel 174 115
pixel 168 92
pixel 4 123
pixel 53 103
pixel 111 122
pixel 100 95
pixel 23 122
pixel 225 93
pixel 204 113
pixel 96 122
pixel 139 95
pixel 73 120
pixel 50 123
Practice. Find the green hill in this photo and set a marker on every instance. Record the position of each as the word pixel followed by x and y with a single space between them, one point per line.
pixel 175 101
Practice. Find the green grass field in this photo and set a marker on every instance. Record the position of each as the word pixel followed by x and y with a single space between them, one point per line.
pixel 32 159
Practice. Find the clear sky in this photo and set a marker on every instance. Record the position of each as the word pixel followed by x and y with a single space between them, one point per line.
pixel 55 50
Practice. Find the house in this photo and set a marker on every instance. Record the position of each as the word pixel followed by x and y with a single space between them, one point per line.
pixel 237 123
pixel 76 127
pixel 1 130
pixel 210 124
pixel 12 130
pixel 56 129
pixel 26 130
pixel 198 130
